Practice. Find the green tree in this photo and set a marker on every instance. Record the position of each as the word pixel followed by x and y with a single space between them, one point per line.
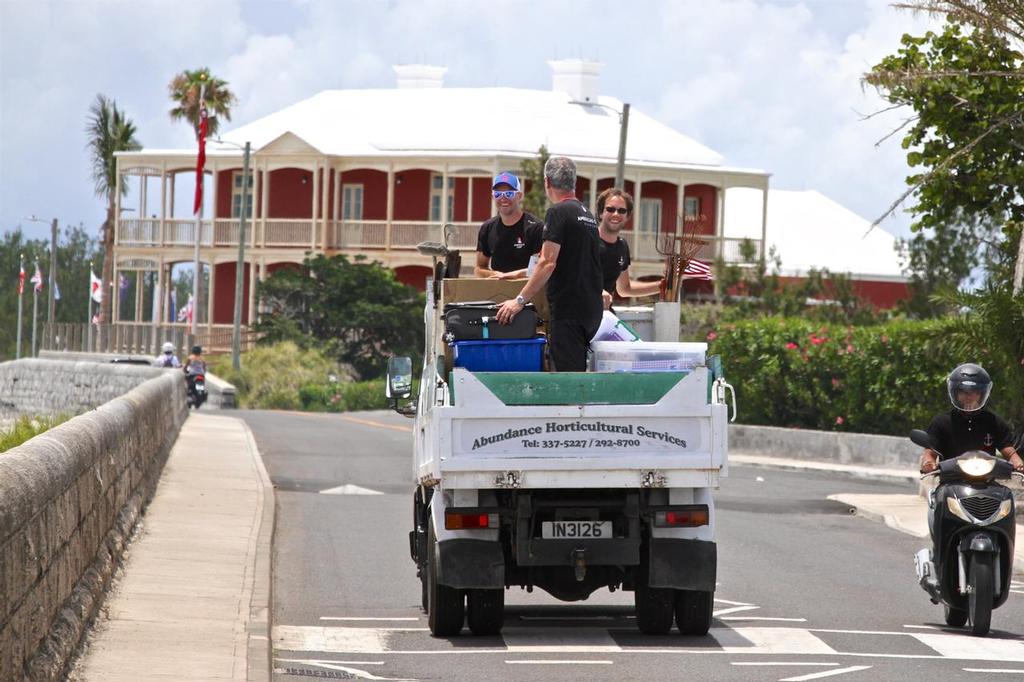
pixel 109 131
pixel 358 313
pixel 77 254
pixel 535 199
pixel 185 90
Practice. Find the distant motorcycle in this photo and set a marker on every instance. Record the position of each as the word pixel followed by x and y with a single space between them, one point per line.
pixel 973 533
pixel 196 394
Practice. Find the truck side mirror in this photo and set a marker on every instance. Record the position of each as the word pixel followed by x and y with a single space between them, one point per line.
pixel 399 384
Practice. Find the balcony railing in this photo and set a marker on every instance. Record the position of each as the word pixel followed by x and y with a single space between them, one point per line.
pixel 367 235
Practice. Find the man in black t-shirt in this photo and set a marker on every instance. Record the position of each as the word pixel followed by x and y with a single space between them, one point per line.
pixel 614 208
pixel 570 267
pixel 506 241
pixel 969 426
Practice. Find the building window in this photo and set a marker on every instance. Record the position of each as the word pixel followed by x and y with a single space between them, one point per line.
pixel 352 202
pixel 236 195
pixel 436 192
pixel 691 208
pixel 650 216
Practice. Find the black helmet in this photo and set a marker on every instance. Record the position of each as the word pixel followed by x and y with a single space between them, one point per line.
pixel 198 350
pixel 969 378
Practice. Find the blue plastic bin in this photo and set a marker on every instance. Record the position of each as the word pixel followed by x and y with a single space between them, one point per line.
pixel 499 355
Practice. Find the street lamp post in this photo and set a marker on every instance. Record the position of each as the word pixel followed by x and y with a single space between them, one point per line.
pixel 243 214
pixel 620 165
pixel 50 305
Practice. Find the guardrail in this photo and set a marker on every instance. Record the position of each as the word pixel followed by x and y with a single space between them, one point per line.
pixel 140 338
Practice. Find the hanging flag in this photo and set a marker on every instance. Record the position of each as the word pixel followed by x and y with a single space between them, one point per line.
pixel 201 158
pixel 95 287
pixel 21 279
pixel 37 279
pixel 122 285
pixel 695 269
pixel 185 314
pixel 56 291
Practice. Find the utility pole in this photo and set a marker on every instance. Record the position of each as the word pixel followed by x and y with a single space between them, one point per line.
pixel 50 305
pixel 620 167
pixel 236 334
pixel 21 291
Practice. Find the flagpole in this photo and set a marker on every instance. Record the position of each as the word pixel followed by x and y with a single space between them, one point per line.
pixel 88 315
pixel 35 310
pixel 197 273
pixel 21 290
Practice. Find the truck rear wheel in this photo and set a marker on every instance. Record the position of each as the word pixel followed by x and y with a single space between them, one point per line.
pixel 693 611
pixel 485 611
pixel 445 605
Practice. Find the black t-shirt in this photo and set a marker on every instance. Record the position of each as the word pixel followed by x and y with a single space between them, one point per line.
pixel 614 261
pixel 510 246
pixel 957 432
pixel 574 290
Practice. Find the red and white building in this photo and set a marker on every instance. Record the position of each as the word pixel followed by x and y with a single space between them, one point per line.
pixel 375 172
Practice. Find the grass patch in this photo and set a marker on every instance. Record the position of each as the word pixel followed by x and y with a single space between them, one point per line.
pixel 26 428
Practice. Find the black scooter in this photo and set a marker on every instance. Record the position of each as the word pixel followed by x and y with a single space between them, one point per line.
pixel 972 524
pixel 196 394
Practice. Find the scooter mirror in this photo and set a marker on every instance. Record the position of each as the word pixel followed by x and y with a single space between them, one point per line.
pixel 922 438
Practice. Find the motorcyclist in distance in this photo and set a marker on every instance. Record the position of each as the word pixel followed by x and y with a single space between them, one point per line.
pixel 969 426
pixel 195 363
pixel 167 358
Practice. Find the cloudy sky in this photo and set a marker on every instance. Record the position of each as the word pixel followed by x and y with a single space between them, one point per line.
pixel 770 84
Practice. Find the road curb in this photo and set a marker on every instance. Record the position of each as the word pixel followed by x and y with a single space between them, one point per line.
pixel 259 652
pixel 857 471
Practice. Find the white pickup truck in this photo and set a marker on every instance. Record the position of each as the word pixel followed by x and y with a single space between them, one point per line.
pixel 570 482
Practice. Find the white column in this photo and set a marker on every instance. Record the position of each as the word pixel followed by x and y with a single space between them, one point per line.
pixel 170 212
pixel 444 195
pixel 764 222
pixel 257 184
pixel 390 206
pixel 117 209
pixel 158 294
pixel 163 201
pixel 325 204
pixel 681 206
pixel 469 199
pixel 138 295
pixel 720 222
pixel 115 314
pixel 209 296
pixel 252 292
pixel 265 203
pixel 143 192
pixel 313 212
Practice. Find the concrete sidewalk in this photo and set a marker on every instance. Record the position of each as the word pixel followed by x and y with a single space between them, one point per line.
pixel 192 600
pixel 906 513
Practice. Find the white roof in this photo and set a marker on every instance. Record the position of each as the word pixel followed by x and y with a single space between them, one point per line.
pixel 809 230
pixel 473 122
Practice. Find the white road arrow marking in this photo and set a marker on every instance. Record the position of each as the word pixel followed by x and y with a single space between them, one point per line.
pixel 734 609
pixel 349 489
pixel 826 673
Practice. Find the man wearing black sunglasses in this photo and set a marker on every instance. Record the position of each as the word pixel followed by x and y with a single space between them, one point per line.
pixel 614 208
pixel 506 241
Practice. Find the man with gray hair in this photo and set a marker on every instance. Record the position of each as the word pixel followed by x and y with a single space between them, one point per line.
pixel 570 267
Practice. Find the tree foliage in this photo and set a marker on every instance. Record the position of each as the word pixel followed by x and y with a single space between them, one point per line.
pixel 185 90
pixel 108 131
pixel 535 200
pixel 358 313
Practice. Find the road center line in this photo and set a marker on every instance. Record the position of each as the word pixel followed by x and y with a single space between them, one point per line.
pixel 768 663
pixel 548 662
pixel 784 620
pixel 354 618
pixel 826 673
pixel 1003 671
pixel 368 422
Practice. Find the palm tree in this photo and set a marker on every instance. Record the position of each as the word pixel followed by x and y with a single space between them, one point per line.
pixel 109 131
pixel 184 89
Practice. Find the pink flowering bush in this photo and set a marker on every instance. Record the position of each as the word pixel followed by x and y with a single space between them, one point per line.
pixel 794 372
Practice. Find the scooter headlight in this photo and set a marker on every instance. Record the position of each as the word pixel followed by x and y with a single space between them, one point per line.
pixel 958 511
pixel 976 466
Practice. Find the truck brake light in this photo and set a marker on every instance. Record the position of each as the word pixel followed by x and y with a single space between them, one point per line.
pixel 454 520
pixel 682 517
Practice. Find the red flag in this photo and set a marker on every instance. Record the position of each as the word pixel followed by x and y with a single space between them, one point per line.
pixel 21 280
pixel 201 159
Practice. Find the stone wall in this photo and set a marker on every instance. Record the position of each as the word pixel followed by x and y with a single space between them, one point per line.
pixel 70 498
pixel 825 446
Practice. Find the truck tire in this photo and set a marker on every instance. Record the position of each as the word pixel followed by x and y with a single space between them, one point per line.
pixel 485 611
pixel 693 611
pixel 445 605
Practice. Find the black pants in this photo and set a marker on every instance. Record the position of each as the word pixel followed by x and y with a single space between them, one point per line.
pixel 568 341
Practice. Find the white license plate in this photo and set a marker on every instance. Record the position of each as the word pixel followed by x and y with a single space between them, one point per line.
pixel 573 530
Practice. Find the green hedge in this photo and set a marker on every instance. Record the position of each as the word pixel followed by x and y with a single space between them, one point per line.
pixel 883 379
pixel 358 395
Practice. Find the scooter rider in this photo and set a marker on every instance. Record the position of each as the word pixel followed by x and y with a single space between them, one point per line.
pixel 195 363
pixel 969 426
pixel 167 358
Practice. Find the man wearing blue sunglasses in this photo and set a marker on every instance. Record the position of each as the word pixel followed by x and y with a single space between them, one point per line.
pixel 506 241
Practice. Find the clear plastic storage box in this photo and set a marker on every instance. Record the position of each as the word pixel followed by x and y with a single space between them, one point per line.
pixel 647 356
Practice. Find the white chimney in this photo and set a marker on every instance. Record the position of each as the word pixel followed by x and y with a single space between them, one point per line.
pixel 419 75
pixel 578 77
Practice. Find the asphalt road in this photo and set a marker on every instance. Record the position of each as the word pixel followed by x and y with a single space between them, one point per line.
pixel 806 590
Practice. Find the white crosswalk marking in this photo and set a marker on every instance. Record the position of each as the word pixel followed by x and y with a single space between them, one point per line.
pixel 777 641
pixel 973 648
pixel 560 640
pixel 826 673
pixel 341 639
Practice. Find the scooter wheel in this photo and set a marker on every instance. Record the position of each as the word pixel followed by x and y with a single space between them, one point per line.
pixel 955 617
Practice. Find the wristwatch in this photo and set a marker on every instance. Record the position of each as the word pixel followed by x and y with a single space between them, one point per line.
pixel 520 300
